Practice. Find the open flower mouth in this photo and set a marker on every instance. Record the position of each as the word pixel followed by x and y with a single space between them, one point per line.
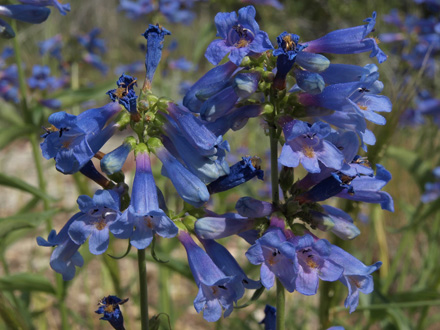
pixel 239 36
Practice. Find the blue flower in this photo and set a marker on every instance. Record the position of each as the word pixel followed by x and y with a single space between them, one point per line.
pixel 241 172
pixel 136 9
pixel 189 187
pixel 52 46
pixel 287 50
pixel 306 143
pixel 277 258
pixel 63 9
pixel 109 306
pixel 65 256
pixel 270 318
pixel 353 40
pixel 125 93
pixel 42 80
pixel 240 35
pixel 74 140
pixel 253 208
pixel 176 12
pixel 92 43
pixel 208 85
pixel 227 263
pixel 96 216
pixel 9 84
pixel 114 160
pixel 217 291
pixel 356 276
pixel 25 13
pixel 432 189
pixel 144 213
pixel 155 36
pixel 221 226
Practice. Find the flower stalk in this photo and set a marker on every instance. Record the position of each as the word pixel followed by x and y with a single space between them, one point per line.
pixel 143 287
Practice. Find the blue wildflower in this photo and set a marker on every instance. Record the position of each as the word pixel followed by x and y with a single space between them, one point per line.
pixel 125 93
pixel 136 9
pixel 432 189
pixel 41 79
pixel 270 318
pixel 189 187
pixel 221 226
pixel 217 291
pixel 96 216
pixel 90 171
pixel 253 208
pixel 287 50
pixel 353 40
pixel 241 172
pixel 114 160
pixel 25 13
pixel 109 306
pixel 227 263
pixel 9 84
pixel 181 64
pixel 53 104
pixel 356 276
pixel 155 35
pixel 240 35
pixel 277 258
pixel 177 11
pixel 63 9
pixel 144 218
pixel 65 256
pixel 208 85
pixel 306 143
pixel 92 43
pixel 74 140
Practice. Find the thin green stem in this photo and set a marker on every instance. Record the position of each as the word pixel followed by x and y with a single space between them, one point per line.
pixel 61 295
pixel 142 265
pixel 281 299
pixel 281 306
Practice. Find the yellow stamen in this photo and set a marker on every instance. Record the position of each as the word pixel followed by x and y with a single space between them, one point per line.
pixel 308 152
pixel 109 308
pixel 362 107
pixel 290 45
pixel 241 43
pixel 100 224
pixel 312 264
pixel 256 162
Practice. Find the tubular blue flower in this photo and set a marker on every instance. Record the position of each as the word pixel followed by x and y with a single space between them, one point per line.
pixel 125 93
pixel 155 36
pixel 96 216
pixel 194 130
pixel 6 31
pixel 205 168
pixel 241 172
pixel 270 318
pixel 216 290
pixel 306 143
pixel 136 9
pixel 349 41
pixel 63 9
pixel 41 79
pixel 53 104
pixel 227 263
pixel 109 306
pixel 242 86
pixel 240 35
pixel 90 171
pixel 432 189
pixel 235 119
pixel 52 46
pixel 343 73
pixel 312 62
pixel 144 213
pixel 287 50
pixel 181 64
pixel 9 84
pixel 309 82
pixel 253 208
pixel 74 140
pixel 210 84
pixel 189 187
pixel 25 13
pixel 96 61
pixel 221 226
pixel 277 258
pixel 177 11
pixel 65 256
pixel 114 160
pixel 367 189
pixel 356 276
pixel 92 43
pixel 336 221
pixel 314 264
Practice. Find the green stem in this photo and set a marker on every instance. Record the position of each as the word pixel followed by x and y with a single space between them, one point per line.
pixel 281 299
pixel 61 295
pixel 281 306
pixel 142 265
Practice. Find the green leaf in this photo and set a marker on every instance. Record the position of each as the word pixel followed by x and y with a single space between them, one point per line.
pixel 11 133
pixel 13 182
pixel 10 315
pixel 22 221
pixel 26 282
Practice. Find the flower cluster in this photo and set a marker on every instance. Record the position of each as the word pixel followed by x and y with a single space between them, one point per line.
pixel 316 109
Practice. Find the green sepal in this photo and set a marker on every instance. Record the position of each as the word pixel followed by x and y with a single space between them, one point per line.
pixel 123 119
pixel 286 178
pixel 153 144
pixel 117 177
pixel 189 222
pixel 298 229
